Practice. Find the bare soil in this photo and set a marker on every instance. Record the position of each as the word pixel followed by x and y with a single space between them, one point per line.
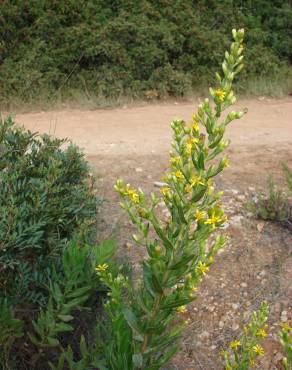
pixel 133 143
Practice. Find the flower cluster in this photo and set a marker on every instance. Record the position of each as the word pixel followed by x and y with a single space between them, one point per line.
pixel 247 349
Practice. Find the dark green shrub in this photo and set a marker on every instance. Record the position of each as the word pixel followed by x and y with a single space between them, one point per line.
pixel 107 49
pixel 45 198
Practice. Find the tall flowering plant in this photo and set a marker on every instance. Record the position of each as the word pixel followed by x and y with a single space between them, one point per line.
pixel 146 319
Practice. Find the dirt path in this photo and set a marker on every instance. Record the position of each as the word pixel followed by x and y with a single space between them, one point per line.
pixel 145 130
pixel 133 143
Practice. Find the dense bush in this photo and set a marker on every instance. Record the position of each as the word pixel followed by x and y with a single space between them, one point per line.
pixel 45 197
pixel 53 49
pixel 47 261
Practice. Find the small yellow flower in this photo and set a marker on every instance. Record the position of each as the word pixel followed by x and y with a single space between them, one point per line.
pixel 235 344
pixel 262 333
pixel 286 327
pixel 202 268
pixel 196 180
pixel 195 126
pixel 220 94
pixel 194 289
pixel 102 268
pixel 179 175
pixel 174 160
pixel 181 309
pixel 132 194
pixel 258 350
pixel 189 148
pixel 165 190
pixel 212 220
pixel 192 140
pixel 199 215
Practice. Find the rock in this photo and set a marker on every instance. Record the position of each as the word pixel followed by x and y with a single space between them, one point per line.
pixel 284 316
pixel 260 226
pixel 159 184
pixel 236 220
pixel 221 324
pixel 241 197
pixel 251 189
pixel 235 306
pixel 243 285
pixel 234 191
pixel 139 169
pixel 235 326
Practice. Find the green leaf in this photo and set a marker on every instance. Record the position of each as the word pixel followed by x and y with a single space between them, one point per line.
pixel 131 319
pixel 183 262
pixel 79 291
pixel 177 303
pixel 52 342
pixel 105 251
pixel 156 284
pixel 65 318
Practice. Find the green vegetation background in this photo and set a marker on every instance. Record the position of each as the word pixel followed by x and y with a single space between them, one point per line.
pixel 103 50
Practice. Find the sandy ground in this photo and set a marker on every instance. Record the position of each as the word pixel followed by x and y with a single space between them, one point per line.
pixel 146 129
pixel 133 143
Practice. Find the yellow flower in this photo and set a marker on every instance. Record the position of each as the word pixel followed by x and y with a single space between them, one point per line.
pixel 286 327
pixel 196 180
pixel 179 175
pixel 174 160
pixel 195 126
pixel 189 148
pixel 262 333
pixel 258 350
pixel 212 220
pixel 181 309
pixel 220 94
pixel 235 344
pixel 165 190
pixel 102 268
pixel 192 140
pixel 199 215
pixel 132 194
pixel 202 268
